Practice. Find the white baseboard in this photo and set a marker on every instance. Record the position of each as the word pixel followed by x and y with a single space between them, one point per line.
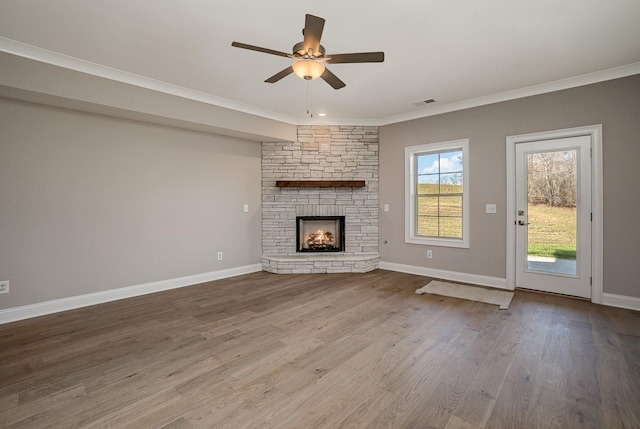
pixel 495 282
pixel 622 301
pixel 64 304
pixel 610 299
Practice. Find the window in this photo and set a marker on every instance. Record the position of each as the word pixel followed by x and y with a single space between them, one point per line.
pixel 436 195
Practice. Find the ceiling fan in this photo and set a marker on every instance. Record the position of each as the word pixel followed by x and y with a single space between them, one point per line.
pixel 310 56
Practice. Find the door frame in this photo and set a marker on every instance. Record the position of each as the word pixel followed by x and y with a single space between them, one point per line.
pixel 595 132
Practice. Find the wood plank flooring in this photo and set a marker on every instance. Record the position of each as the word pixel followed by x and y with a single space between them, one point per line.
pixel 322 351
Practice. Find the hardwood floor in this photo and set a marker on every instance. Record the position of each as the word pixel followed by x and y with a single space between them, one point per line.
pixel 322 351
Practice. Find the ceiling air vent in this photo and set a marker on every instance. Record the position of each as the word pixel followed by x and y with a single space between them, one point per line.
pixel 423 102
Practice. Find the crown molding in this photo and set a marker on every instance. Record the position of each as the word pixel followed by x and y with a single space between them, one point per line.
pixel 338 121
pixel 71 63
pixel 558 85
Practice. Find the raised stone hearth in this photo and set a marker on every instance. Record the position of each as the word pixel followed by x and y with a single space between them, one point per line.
pixel 311 264
pixel 343 154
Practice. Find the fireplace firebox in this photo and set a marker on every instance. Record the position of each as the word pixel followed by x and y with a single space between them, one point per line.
pixel 320 234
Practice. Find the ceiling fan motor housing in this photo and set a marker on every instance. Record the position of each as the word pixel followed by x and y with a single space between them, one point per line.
pixel 298 50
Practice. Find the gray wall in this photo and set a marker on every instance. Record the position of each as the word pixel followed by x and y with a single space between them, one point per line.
pixel 90 203
pixel 614 104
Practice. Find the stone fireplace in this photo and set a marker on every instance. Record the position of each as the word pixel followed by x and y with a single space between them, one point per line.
pixel 330 172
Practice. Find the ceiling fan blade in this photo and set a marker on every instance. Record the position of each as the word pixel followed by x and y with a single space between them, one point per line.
pixel 259 49
pixel 332 79
pixel 276 77
pixel 360 57
pixel 313 26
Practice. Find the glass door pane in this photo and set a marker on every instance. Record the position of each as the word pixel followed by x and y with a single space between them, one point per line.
pixel 551 207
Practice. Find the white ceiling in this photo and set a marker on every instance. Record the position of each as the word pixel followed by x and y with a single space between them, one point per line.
pixel 459 52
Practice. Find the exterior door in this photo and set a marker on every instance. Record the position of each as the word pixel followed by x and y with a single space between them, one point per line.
pixel 553 215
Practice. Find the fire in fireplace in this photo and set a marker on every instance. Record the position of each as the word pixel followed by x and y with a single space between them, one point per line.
pixel 320 234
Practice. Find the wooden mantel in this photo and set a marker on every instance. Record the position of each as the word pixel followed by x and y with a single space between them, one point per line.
pixel 320 183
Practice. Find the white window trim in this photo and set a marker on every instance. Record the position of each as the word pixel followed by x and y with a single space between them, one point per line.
pixel 410 153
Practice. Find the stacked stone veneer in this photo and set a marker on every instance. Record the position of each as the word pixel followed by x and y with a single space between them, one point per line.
pixel 321 153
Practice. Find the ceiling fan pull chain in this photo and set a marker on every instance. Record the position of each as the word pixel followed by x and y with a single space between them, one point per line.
pixel 309 98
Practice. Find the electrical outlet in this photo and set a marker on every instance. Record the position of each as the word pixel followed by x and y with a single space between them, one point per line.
pixel 490 208
pixel 219 256
pixel 429 254
pixel 4 286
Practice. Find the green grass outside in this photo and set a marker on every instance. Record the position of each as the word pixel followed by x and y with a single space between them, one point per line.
pixel 440 217
pixel 552 231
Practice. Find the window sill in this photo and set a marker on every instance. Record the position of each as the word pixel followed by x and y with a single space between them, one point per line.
pixel 442 242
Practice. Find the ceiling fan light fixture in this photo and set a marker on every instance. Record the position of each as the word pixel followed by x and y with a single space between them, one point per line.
pixel 309 56
pixel 308 69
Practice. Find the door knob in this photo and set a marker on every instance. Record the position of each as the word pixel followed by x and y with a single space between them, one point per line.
pixel 521 222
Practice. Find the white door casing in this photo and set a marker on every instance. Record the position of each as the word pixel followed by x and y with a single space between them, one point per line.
pixel 515 269
pixel 564 276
